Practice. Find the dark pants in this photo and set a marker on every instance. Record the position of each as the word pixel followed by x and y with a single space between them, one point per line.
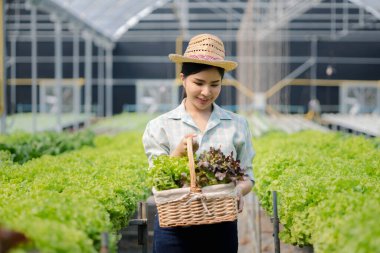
pixel 218 238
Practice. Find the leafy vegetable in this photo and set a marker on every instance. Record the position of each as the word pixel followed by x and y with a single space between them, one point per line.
pixel 169 172
pixel 25 146
pixel 327 184
pixel 211 167
pixel 63 203
pixel 214 167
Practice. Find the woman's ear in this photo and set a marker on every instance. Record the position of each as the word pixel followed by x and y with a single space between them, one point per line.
pixel 182 77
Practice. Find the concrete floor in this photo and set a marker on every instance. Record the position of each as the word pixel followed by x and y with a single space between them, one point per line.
pixel 256 231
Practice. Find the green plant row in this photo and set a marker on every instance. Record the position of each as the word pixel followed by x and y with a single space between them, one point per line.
pixel 63 203
pixel 328 186
pixel 127 121
pixel 26 146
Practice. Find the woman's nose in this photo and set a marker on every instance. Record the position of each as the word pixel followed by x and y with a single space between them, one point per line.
pixel 206 91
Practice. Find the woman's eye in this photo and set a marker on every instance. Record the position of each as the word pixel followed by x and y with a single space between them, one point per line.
pixel 198 83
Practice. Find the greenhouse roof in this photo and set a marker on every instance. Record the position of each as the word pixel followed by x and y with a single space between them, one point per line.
pixel 164 20
pixel 110 19
pixel 372 6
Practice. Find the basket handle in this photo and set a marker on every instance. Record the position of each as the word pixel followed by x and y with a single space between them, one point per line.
pixel 190 155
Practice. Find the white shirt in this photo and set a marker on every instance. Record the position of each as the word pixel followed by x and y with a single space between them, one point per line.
pixel 225 130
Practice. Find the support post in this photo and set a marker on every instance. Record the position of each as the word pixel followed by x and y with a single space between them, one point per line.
pixel 100 82
pixel 104 248
pixel 3 84
pixel 276 224
pixel 109 82
pixel 313 68
pixel 142 226
pixel 58 70
pixel 88 75
pixel 77 97
pixel 33 25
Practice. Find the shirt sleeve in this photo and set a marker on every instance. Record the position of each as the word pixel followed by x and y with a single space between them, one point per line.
pixel 246 152
pixel 155 141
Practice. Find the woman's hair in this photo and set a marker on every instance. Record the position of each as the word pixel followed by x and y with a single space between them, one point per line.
pixel 189 68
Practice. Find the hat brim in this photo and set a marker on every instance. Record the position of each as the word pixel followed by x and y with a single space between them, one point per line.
pixel 226 65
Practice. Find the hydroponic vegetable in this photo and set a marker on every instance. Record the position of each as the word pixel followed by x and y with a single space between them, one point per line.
pixel 211 167
pixel 214 167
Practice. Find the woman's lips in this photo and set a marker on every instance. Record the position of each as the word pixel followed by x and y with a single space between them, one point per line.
pixel 203 101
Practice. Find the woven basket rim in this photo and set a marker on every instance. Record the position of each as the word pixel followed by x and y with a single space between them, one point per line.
pixel 187 189
pixel 209 192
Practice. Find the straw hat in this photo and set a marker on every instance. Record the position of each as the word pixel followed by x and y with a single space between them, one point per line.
pixel 205 49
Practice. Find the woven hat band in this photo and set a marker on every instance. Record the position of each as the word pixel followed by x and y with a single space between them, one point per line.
pixel 205 57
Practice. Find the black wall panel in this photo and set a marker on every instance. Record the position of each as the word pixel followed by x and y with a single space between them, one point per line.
pixel 127 66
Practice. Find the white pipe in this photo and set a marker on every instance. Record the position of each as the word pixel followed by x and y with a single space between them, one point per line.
pixel 88 75
pixel 58 72
pixel 33 22
pixel 109 84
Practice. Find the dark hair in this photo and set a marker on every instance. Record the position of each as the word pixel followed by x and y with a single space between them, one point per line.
pixel 189 68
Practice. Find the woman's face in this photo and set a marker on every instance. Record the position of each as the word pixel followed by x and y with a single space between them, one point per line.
pixel 202 89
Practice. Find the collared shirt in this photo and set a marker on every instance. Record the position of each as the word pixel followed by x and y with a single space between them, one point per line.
pixel 225 130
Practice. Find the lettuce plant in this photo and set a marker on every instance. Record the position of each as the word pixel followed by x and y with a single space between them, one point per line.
pixel 211 167
pixel 214 167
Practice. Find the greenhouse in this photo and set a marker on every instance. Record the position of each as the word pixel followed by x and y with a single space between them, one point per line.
pixel 281 99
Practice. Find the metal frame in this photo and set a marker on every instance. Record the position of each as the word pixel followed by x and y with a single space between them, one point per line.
pixel 241 21
pixel 219 17
pixel 3 76
pixel 268 29
pixel 195 16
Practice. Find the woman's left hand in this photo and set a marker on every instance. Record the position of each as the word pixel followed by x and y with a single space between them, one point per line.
pixel 242 188
pixel 240 199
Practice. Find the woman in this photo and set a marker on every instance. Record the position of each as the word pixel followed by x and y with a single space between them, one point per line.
pixel 203 67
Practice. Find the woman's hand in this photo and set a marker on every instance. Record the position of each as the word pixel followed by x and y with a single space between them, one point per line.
pixel 242 188
pixel 181 149
pixel 240 199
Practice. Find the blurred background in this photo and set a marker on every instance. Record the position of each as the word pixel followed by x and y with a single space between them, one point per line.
pixel 70 61
pixel 103 65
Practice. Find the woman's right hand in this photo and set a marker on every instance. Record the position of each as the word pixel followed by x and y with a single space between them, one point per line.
pixel 181 149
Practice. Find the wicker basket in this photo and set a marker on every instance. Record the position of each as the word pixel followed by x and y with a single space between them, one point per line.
pixel 194 205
